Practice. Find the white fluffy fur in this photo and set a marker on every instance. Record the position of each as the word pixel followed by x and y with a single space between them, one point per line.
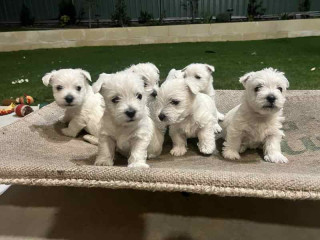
pixel 86 109
pixel 132 137
pixel 189 114
pixel 199 78
pixel 256 121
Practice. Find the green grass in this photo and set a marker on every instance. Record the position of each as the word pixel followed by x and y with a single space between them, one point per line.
pixel 231 59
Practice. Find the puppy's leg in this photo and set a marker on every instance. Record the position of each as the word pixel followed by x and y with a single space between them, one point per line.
pixel 179 142
pixel 74 127
pixel 232 145
pixel 220 116
pixel 65 118
pixel 91 139
pixel 207 142
pixel 106 151
pixel 138 155
pixel 272 150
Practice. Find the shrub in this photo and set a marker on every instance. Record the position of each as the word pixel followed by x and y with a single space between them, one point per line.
pixel 145 17
pixel 25 16
pixel 66 8
pixel 64 20
pixel 120 15
pixel 304 5
pixel 255 9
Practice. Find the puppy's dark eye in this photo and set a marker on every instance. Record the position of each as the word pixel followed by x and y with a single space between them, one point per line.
pixel 145 84
pixel 59 87
pixel 197 77
pixel 116 99
pixel 175 102
pixel 280 89
pixel 139 96
pixel 79 88
pixel 257 88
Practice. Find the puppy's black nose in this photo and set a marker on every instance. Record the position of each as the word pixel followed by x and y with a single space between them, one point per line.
pixel 69 98
pixel 130 112
pixel 271 98
pixel 161 116
pixel 154 93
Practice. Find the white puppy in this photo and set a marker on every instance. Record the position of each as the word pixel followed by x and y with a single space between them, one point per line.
pixel 188 114
pixel 72 92
pixel 199 77
pixel 126 125
pixel 258 119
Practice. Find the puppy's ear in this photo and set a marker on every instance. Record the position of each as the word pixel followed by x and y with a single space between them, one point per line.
pixel 244 79
pixel 284 79
pixel 48 77
pixel 96 87
pixel 194 88
pixel 210 68
pixel 85 74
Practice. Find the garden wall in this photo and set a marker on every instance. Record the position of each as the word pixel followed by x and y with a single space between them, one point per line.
pixel 13 41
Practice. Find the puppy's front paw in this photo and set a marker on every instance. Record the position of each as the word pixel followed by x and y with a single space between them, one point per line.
pixel 206 148
pixel 103 161
pixel 275 158
pixel 230 154
pixel 220 116
pixel 138 165
pixel 217 128
pixel 67 132
pixel 178 151
pixel 62 119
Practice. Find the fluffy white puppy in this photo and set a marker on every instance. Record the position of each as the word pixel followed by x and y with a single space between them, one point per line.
pixel 199 78
pixel 125 125
pixel 72 92
pixel 258 119
pixel 189 114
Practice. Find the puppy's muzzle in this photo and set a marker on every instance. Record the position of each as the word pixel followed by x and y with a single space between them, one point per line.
pixel 271 98
pixel 154 93
pixel 162 117
pixel 130 112
pixel 69 98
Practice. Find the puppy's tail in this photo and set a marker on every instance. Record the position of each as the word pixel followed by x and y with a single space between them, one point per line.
pixel 91 139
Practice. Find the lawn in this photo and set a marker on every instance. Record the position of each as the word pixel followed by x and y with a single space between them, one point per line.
pixel 296 57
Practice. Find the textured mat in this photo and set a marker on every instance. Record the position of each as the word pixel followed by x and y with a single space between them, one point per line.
pixel 34 152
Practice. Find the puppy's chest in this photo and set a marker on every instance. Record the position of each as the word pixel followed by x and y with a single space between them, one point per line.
pixel 257 132
pixel 189 127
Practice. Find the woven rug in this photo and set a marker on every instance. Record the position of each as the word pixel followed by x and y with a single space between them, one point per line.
pixel 34 152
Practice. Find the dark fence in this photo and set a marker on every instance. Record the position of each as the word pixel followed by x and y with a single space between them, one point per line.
pixel 44 10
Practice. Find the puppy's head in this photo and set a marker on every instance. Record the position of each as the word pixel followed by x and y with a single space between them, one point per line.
pixel 69 86
pixel 174 102
pixel 198 76
pixel 265 90
pixel 150 75
pixel 124 97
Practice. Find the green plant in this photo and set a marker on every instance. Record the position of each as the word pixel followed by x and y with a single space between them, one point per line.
pixel 255 9
pixel 25 16
pixel 207 17
pixel 145 17
pixel 120 15
pixel 304 5
pixel 223 17
pixel 284 16
pixel 66 8
pixel 64 20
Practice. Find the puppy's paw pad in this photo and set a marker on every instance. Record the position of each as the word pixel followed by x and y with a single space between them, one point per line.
pixel 206 148
pixel 275 158
pixel 67 132
pixel 217 128
pixel 232 155
pixel 138 165
pixel 178 151
pixel 103 162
